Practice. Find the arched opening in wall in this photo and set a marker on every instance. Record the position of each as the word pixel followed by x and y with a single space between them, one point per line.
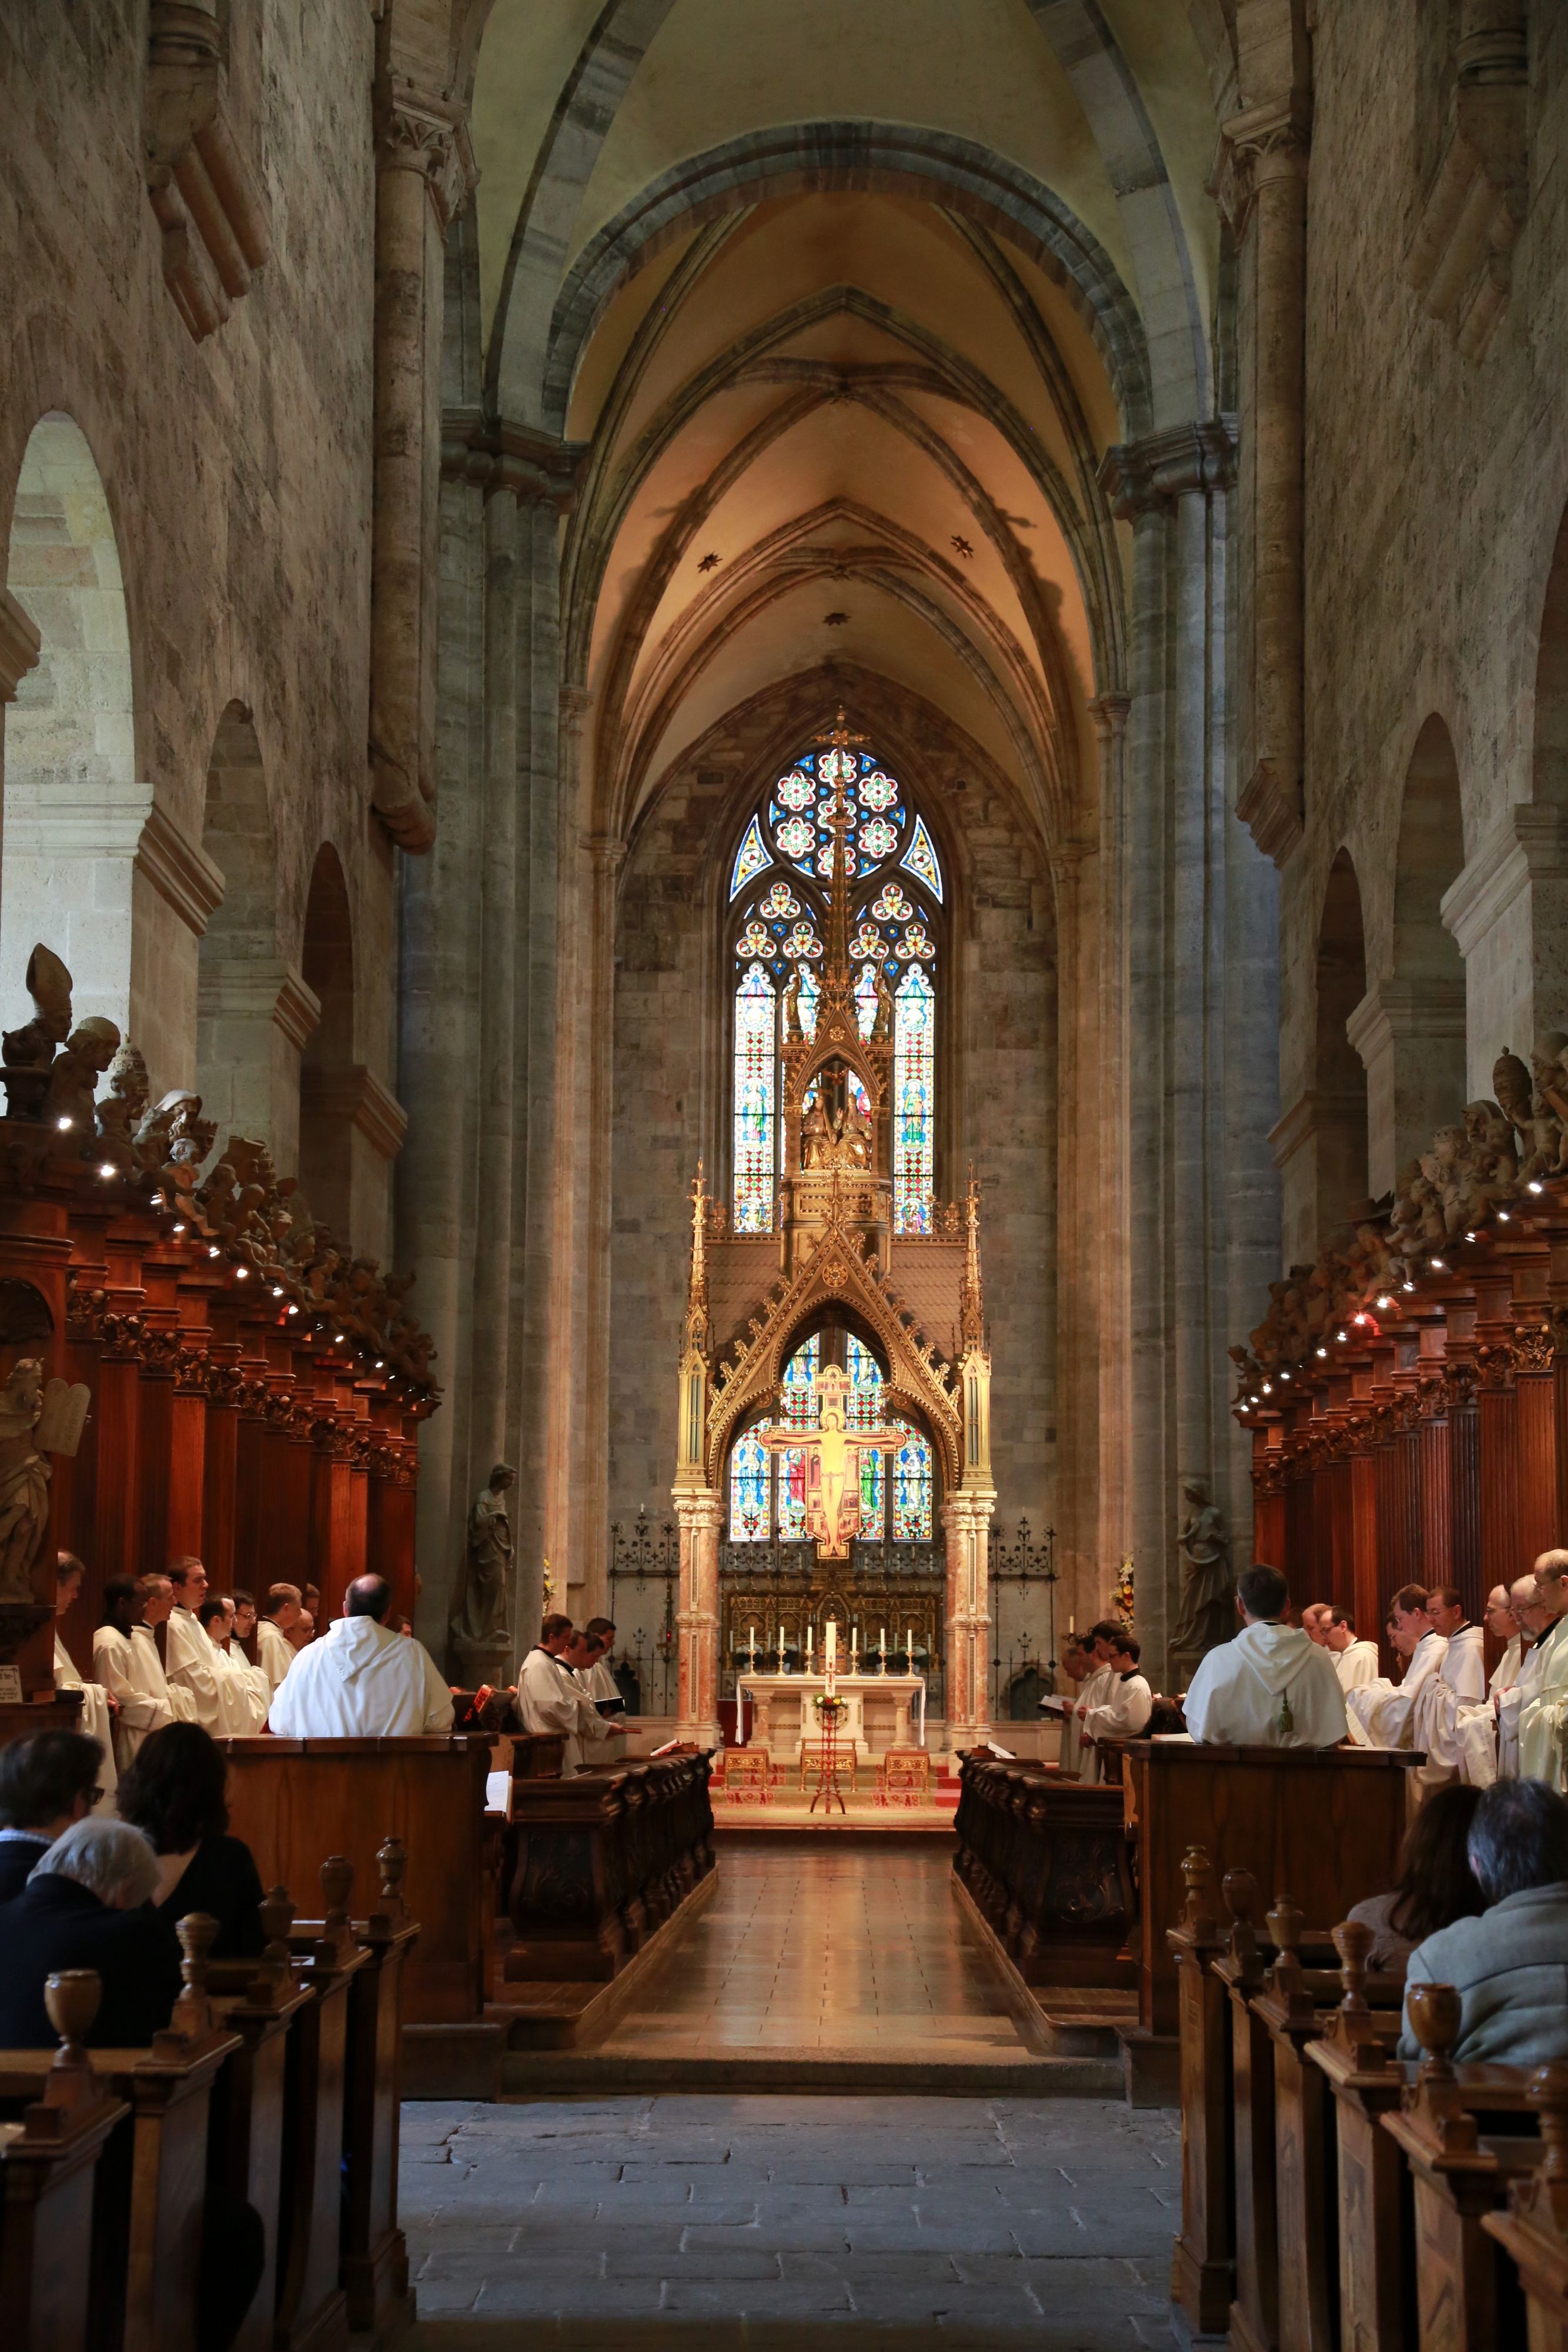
pixel 1339 1105
pixel 250 1024
pixel 328 1094
pixel 1415 1052
pixel 73 809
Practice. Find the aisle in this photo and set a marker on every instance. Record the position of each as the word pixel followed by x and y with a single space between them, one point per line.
pixel 831 1947
pixel 717 2223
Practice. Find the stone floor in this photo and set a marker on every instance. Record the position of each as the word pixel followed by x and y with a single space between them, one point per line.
pixel 831 1945
pixel 713 2221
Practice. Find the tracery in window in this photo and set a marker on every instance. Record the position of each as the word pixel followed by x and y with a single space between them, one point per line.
pixel 778 925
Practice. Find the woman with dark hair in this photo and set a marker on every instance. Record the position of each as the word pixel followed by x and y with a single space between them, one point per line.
pixel 174 1790
pixel 1435 1884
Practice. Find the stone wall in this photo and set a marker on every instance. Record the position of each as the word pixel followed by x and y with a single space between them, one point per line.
pixel 237 476
pixel 1436 487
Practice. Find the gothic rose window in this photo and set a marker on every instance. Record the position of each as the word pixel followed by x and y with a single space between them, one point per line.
pixel 777 927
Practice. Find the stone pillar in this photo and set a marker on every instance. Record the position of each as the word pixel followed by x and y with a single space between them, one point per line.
pixel 1410 1034
pixel 1261 183
pixel 1079 1212
pixel 966 1675
pixel 1113 1293
pixel 424 171
pixel 1507 911
pixel 1199 1034
pixel 479 1007
pixel 699 1515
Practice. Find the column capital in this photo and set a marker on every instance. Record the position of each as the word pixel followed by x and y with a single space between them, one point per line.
pixel 537 468
pixel 418 131
pixel 1260 143
pixel 700 1507
pixel 1109 712
pixel 20 644
pixel 606 851
pixel 574 704
pixel 1186 460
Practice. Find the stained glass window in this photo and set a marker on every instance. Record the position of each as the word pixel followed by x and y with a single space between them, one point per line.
pixel 764 1488
pixel 757 1475
pixel 756 1102
pixel 750 1465
pixel 921 858
pixel 912 1490
pixel 778 926
pixel 913 1092
pixel 750 858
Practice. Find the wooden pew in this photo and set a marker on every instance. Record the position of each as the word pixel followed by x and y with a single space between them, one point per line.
pixel 48 2163
pixel 1468 2293
pixel 1203 2259
pixel 376 2255
pixel 248 2151
pixel 312 2308
pixel 1373 2212
pixel 1533 2231
pixel 297 1803
pixel 1325 1822
pixel 1042 1867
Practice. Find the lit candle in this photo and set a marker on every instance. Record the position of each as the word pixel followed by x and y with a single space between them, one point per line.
pixel 831 1643
pixel 909 1646
pixel 808 1645
pixel 1070 1624
pixel 881 1638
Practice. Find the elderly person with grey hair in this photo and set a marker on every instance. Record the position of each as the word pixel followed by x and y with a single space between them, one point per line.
pixel 85 1906
pixel 1509 1964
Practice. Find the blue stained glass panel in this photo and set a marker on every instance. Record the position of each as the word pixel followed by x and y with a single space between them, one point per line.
pixel 920 858
pixel 914 1085
pixel 755 1104
pixel 807 1001
pixel 752 858
pixel 748 1469
pixel 912 1490
pixel 865 998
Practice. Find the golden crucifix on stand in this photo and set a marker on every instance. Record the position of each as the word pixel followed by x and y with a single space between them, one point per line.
pixel 832 1452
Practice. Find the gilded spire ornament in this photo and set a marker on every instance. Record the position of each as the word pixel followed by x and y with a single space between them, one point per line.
pixel 971 1297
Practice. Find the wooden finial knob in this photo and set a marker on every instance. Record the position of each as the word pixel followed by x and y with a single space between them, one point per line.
pixel 72 1999
pixel 1197 1876
pixel 1285 1925
pixel 1352 1940
pixel 277 1918
pixel 337 1885
pixel 1239 1889
pixel 1436 2014
pixel 1548 2094
pixel 391 1862
pixel 191 2014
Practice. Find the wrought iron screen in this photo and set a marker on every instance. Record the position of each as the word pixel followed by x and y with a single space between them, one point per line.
pixel 898 1589
pixel 644 1576
pixel 1023 1582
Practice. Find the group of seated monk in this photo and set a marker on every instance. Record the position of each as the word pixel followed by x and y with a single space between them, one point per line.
pixel 82 1889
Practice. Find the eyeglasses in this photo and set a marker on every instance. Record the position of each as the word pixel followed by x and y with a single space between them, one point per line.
pixel 94 1796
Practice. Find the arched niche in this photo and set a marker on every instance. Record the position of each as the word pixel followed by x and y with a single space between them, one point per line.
pixel 1339 1081
pixel 329 1088
pixel 1409 1029
pixel 253 1012
pixel 73 808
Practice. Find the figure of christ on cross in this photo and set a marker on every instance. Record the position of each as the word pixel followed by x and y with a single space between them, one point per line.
pixel 832 1452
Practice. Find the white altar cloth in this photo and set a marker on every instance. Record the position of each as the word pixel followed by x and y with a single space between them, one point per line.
pixel 878 1717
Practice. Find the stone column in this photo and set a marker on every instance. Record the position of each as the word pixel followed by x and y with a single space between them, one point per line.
pixel 1410 1034
pixel 1080 1212
pixel 699 1516
pixel 1261 183
pixel 424 171
pixel 1507 911
pixel 1113 1291
pixel 967 1674
pixel 1199 1036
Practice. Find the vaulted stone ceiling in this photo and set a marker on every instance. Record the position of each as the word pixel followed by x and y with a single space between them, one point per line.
pixel 842 303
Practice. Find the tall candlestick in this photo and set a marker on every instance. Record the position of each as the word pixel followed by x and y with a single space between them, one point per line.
pixel 831 1641
pixel 909 1646
pixel 882 1650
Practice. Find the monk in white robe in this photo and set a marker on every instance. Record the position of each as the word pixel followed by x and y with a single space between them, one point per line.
pixel 1510 1698
pixel 188 1661
pixel 126 1662
pixel 1272 1685
pixel 1400 1715
pixel 1096 1690
pixel 98 1709
pixel 361 1680
pixel 282 1612
pixel 1543 1715
pixel 1125 1711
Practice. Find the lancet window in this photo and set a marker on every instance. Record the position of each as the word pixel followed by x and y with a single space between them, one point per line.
pixel 767 1490
pixel 777 923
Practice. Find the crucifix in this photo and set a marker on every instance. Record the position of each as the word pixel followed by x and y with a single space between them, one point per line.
pixel 832 1452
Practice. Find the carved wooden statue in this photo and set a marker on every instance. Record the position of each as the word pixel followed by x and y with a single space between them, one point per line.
pixel 24 1479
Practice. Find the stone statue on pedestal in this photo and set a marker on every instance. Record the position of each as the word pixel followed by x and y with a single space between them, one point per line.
pixel 1208 1589
pixel 24 1479
pixel 480 1635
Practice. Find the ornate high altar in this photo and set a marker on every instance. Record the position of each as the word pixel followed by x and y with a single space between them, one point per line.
pixel 836 1260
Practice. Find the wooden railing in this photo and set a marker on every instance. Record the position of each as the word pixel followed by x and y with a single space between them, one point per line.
pixel 595 1865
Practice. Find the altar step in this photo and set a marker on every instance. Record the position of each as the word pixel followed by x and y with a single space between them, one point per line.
pixel 924 2065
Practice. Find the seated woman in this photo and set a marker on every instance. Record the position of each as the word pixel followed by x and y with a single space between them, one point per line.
pixel 174 1790
pixel 1435 1884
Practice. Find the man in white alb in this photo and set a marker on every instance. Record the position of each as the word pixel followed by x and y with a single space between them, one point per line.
pixel 280 1613
pixel 1125 1711
pixel 1464 1661
pixel 1469 1720
pixel 1355 1662
pixel 597 1679
pixel 188 1658
pixel 1512 1696
pixel 1504 1627
pixel 1402 1714
pixel 126 1662
pixel 1272 1685
pixel 1317 1619
pixel 242 1707
pixel 1095 1692
pixel 361 1680
pixel 550 1700
pixel 98 1708
pixel 1543 1715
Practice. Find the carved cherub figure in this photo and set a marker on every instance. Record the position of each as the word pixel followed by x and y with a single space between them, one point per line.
pixel 191 1135
pixel 121 1113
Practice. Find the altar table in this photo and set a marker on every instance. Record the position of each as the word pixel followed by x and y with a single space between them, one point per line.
pixel 878 1717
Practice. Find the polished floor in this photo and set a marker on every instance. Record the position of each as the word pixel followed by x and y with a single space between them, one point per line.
pixel 831 1946
pixel 733 2224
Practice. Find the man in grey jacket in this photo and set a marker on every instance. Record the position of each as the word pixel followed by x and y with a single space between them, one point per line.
pixel 1510 1965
